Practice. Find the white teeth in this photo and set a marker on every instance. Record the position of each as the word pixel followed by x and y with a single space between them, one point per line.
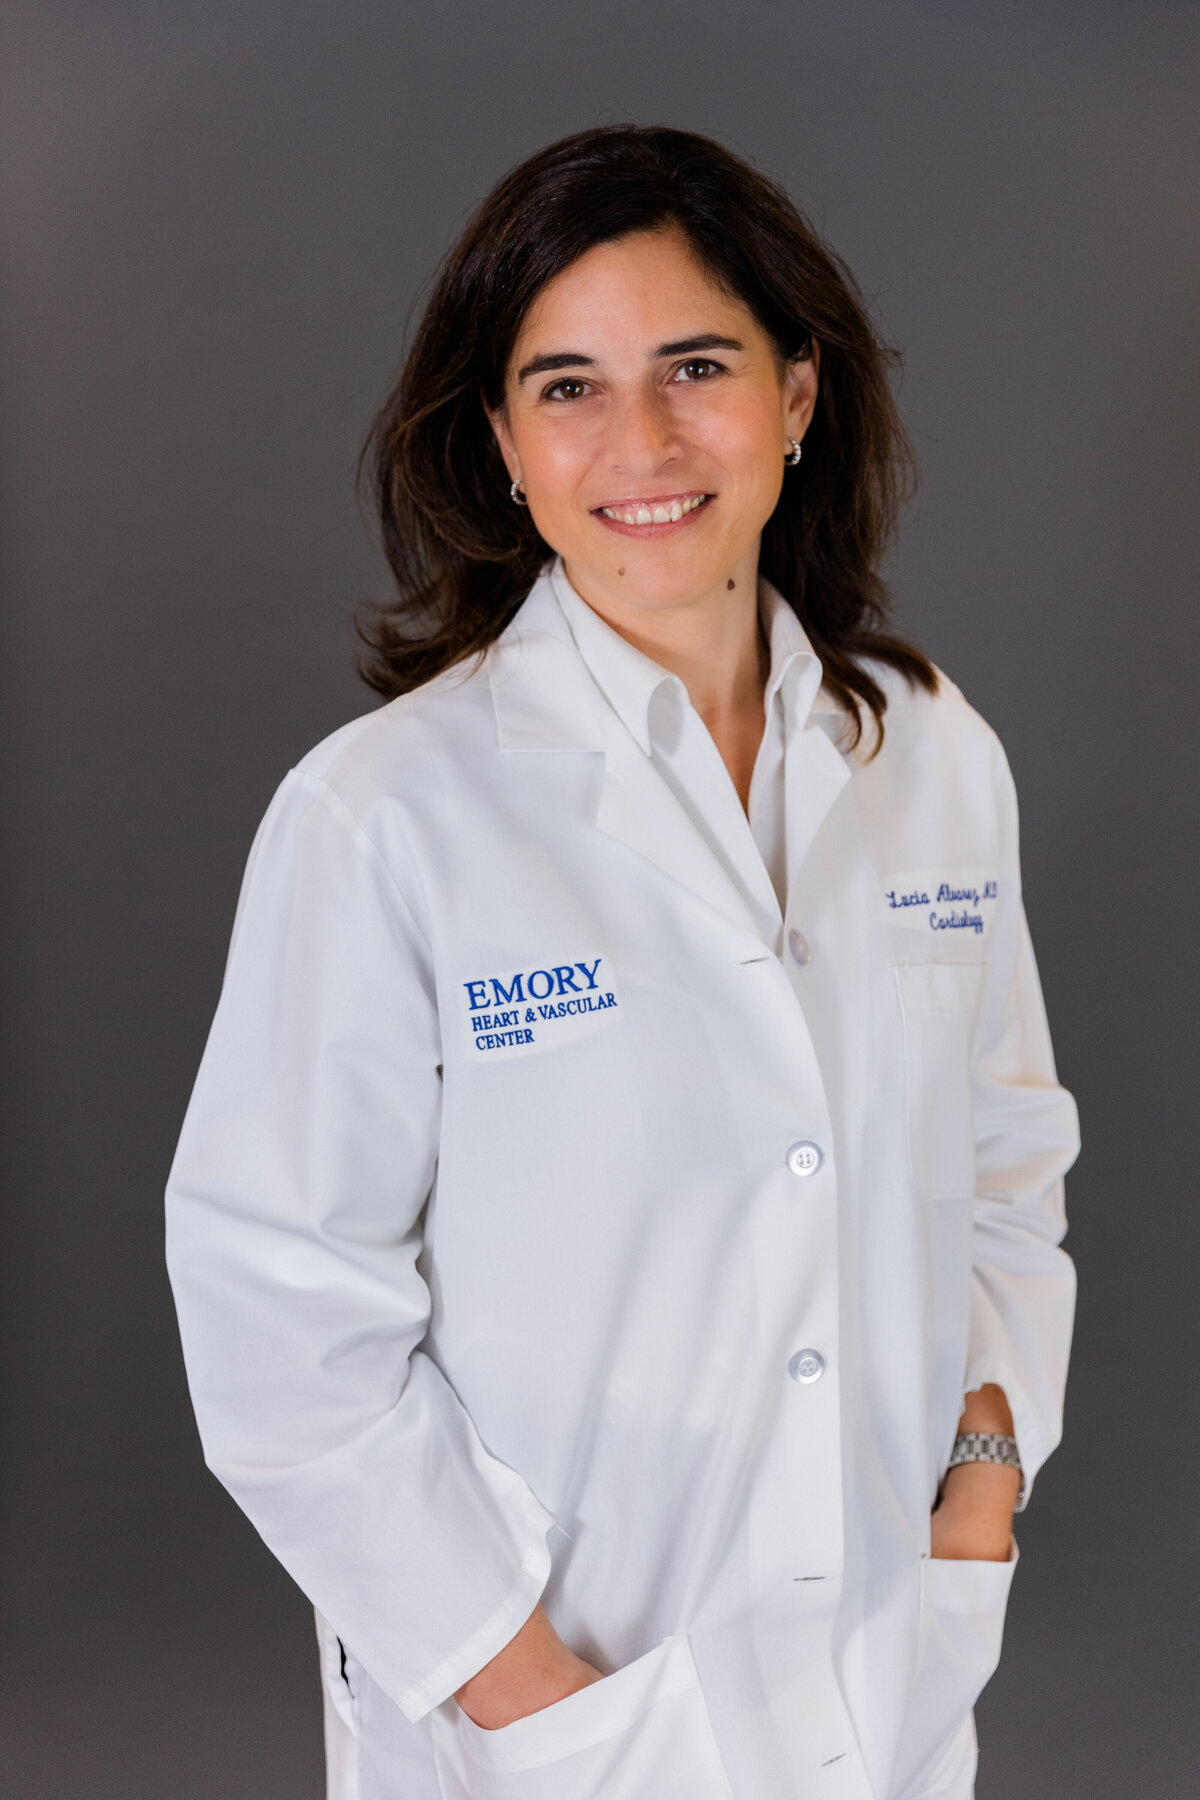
pixel 658 515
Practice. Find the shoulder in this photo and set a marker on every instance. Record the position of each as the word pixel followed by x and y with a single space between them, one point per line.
pixel 920 724
pixel 940 759
pixel 385 751
pixel 452 718
pixel 349 811
pixel 938 794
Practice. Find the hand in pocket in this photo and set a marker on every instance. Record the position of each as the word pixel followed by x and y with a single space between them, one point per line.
pixel 973 1520
pixel 641 1733
pixel 533 1671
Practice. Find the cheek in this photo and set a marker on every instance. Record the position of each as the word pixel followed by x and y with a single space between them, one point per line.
pixel 555 460
pixel 747 440
pixel 555 452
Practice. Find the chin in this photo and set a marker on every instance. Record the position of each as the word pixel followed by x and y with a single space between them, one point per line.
pixel 656 578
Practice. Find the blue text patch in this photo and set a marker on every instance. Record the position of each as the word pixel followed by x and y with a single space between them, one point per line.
pixel 521 1011
pixel 941 903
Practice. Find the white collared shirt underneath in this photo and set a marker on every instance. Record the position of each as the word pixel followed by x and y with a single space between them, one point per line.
pixel 760 849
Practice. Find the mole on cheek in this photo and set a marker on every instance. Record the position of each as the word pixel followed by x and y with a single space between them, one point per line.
pixel 731 583
pixel 620 571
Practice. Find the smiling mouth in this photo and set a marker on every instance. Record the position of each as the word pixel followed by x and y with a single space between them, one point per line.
pixel 665 510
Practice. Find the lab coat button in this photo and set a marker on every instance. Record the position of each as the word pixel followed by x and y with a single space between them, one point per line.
pixel 804 1158
pixel 798 945
pixel 806 1366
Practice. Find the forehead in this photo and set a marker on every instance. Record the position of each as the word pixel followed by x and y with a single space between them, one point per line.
pixel 631 293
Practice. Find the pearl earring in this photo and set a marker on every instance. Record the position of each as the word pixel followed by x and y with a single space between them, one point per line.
pixel 793 455
pixel 517 493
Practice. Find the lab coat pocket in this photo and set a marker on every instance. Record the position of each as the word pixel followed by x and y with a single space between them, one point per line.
pixel 962 1622
pixel 641 1731
pixel 939 1002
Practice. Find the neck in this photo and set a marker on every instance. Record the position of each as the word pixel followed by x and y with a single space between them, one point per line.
pixel 711 640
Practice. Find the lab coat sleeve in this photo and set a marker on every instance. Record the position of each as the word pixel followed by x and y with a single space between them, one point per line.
pixel 1026 1137
pixel 295 1210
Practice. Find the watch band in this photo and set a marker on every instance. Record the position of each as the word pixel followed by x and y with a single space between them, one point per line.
pixel 989 1447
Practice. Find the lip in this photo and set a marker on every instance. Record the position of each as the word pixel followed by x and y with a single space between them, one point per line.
pixel 652 500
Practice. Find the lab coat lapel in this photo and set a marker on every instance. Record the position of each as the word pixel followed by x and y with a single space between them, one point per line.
pixel 816 772
pixel 639 809
pixel 546 700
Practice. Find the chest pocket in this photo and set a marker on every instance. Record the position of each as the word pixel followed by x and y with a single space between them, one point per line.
pixel 939 1002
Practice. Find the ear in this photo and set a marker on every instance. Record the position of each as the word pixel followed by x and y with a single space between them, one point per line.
pixel 801 380
pixel 498 420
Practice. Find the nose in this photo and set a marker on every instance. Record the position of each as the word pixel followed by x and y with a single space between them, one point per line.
pixel 643 438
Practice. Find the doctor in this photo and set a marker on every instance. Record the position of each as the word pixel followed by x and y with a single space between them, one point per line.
pixel 615 1230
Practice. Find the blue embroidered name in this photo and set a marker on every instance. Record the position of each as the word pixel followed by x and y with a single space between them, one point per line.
pixel 508 1011
pixel 961 921
pixel 962 900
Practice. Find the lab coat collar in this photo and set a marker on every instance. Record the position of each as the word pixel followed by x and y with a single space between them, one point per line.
pixel 543 695
pixel 546 698
pixel 629 679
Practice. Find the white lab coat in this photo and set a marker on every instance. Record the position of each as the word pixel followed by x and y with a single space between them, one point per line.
pixel 504 1272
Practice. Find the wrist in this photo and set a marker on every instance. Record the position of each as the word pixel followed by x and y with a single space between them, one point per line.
pixel 533 1671
pixel 982 1487
pixel 988 1449
pixel 973 1518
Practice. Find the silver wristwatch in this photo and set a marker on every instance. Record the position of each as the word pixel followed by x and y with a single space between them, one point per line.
pixel 989 1447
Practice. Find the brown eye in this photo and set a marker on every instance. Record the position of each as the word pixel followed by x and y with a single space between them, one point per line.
pixel 697 368
pixel 570 389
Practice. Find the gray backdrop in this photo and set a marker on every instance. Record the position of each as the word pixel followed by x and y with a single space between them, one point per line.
pixel 217 216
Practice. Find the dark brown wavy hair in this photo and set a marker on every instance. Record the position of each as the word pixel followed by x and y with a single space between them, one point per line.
pixel 464 556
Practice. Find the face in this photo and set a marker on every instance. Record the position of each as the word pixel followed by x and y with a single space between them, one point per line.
pixel 646 415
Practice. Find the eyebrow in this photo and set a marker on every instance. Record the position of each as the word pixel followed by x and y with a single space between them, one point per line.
pixel 572 359
pixel 707 341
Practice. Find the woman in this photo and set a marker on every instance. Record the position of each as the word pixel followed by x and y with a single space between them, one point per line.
pixel 615 1231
